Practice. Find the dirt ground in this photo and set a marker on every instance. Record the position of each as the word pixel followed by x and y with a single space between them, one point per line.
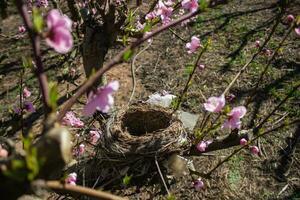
pixel 233 29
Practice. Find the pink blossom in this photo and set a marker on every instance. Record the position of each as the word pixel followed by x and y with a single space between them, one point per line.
pixel 94 11
pixel 81 4
pixel 234 118
pixel 3 152
pixel 71 120
pixel 290 18
pixel 191 5
pixel 193 45
pixel 102 100
pixel 169 2
pixel 215 104
pixel 26 92
pixel 257 43
pixel 22 29
pixel 79 151
pixel 71 179
pixel 254 150
pixel 201 146
pixel 297 30
pixel 94 136
pixel 267 52
pixel 198 184
pixel 150 16
pixel 164 12
pixel 201 66
pixel 59 35
pixel 243 142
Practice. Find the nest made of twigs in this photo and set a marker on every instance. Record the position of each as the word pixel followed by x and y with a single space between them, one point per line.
pixel 143 130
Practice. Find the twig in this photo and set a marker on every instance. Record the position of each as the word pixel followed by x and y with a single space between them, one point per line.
pixel 161 176
pixel 132 67
pixel 35 41
pixel 187 85
pixel 257 128
pixel 252 94
pixel 58 186
pixel 282 190
pixel 178 36
pixel 251 141
pixel 116 60
pixel 254 55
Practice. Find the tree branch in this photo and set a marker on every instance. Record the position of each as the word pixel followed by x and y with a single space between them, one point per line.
pixel 35 42
pixel 116 60
pixel 76 189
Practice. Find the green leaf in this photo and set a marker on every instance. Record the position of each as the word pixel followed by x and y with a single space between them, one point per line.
pixel 38 21
pixel 127 55
pixel 126 180
pixel 53 95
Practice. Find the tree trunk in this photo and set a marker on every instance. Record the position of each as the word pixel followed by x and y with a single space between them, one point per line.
pixel 95 47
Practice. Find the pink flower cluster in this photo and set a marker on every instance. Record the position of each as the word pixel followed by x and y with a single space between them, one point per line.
pixel 194 45
pixel 201 146
pixel 26 92
pixel 79 151
pixel 94 136
pixel 198 184
pixel 59 34
pixel 191 5
pixel 253 149
pixel 71 179
pixel 215 104
pixel 71 120
pixel 21 29
pixel 234 118
pixel 27 105
pixel 102 99
pixel 163 10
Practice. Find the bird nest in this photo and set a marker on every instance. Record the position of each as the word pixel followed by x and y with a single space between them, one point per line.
pixel 133 139
pixel 143 130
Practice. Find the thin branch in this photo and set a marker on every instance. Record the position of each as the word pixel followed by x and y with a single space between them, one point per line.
pixel 116 60
pixel 35 41
pixel 252 94
pixel 187 85
pixel 76 189
pixel 161 176
pixel 258 127
pixel 254 55
pixel 132 67
pixel 251 141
